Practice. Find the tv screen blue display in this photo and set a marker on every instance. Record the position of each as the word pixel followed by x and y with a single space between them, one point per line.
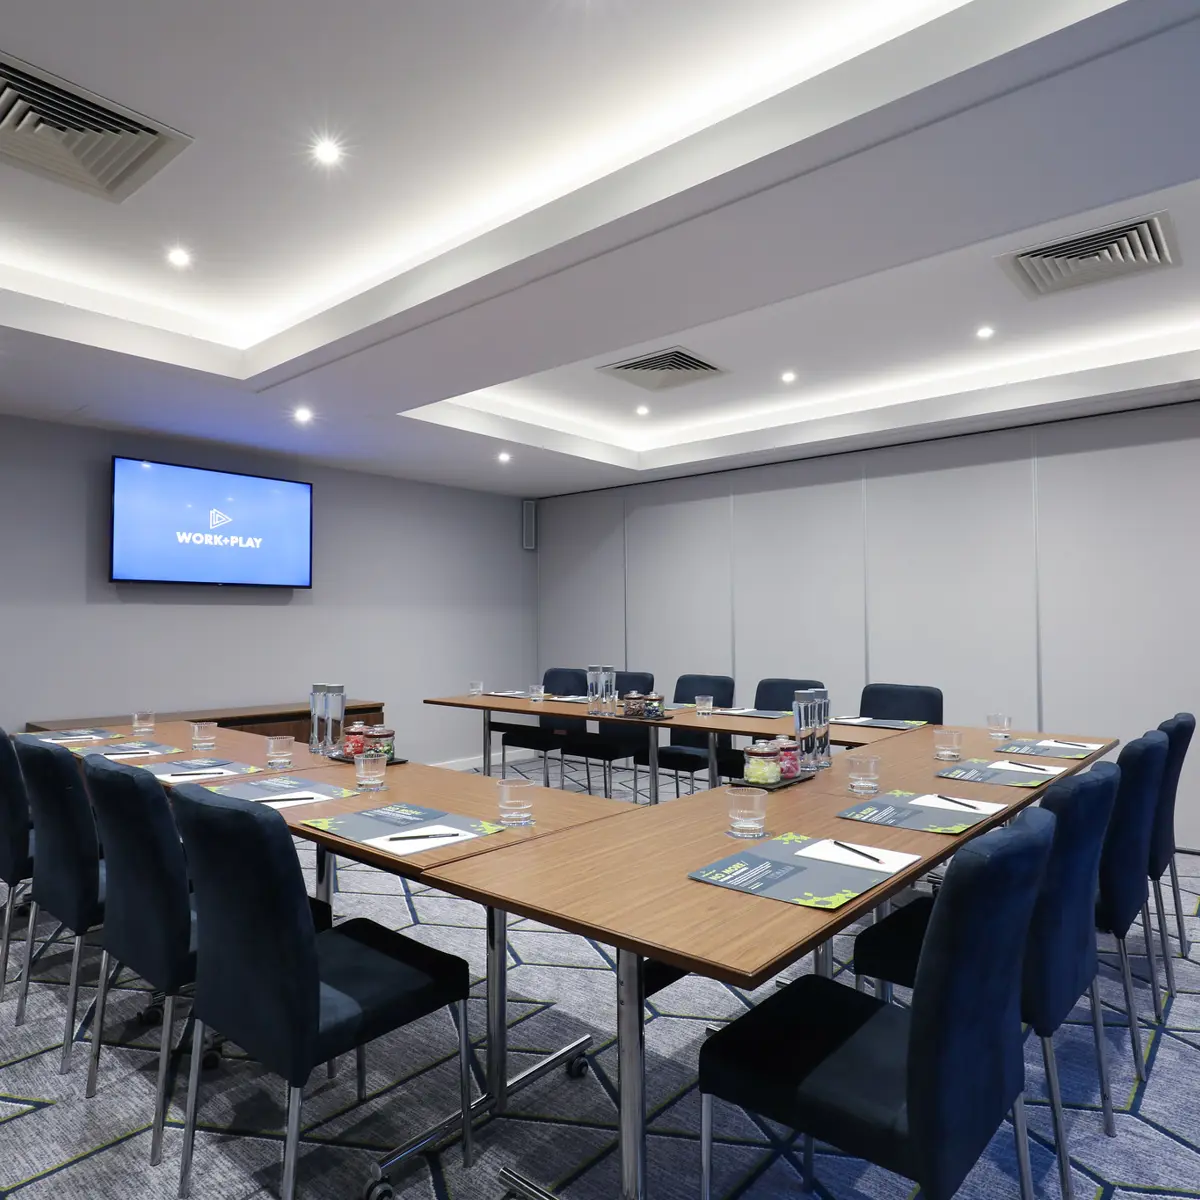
pixel 174 524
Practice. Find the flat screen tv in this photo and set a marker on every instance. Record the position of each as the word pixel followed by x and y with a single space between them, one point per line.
pixel 173 524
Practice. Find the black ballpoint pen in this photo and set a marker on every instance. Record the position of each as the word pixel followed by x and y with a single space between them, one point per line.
pixel 414 837
pixel 856 850
pixel 955 800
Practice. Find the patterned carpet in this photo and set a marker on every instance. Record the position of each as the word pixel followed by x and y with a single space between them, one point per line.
pixel 560 1131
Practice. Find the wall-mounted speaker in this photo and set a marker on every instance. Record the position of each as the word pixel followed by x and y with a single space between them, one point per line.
pixel 529 524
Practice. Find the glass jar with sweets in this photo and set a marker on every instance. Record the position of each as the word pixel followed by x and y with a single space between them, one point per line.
pixel 789 757
pixel 656 706
pixel 352 739
pixel 763 763
pixel 379 740
pixel 635 704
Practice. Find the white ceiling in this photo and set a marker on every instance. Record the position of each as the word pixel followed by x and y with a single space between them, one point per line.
pixel 537 188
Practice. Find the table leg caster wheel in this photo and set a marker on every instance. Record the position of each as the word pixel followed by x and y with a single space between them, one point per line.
pixel 152 1014
pixel 379 1189
pixel 577 1068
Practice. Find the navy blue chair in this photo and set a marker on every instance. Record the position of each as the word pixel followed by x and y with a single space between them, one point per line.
pixel 687 749
pixel 1124 885
pixel 614 740
pixel 917 1091
pixel 68 872
pixel 1061 963
pixel 16 849
pixel 901 702
pixel 1179 730
pixel 290 996
pixel 550 733
pixel 771 695
pixel 148 922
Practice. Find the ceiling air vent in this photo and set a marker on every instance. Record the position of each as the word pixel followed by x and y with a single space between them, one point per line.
pixel 663 369
pixel 1145 244
pixel 58 130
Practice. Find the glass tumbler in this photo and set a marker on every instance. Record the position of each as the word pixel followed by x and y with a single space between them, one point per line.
pixel 999 725
pixel 143 722
pixel 747 812
pixel 204 735
pixel 475 687
pixel 537 692
pixel 864 773
pixel 279 751
pixel 369 770
pixel 704 706
pixel 947 745
pixel 516 801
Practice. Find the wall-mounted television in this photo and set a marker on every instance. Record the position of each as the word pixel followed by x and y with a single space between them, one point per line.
pixel 174 524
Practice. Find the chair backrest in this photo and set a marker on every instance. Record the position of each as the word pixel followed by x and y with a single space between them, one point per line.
pixel 1179 730
pixel 1060 956
pixel 780 694
pixel 628 681
pixel 66 869
pixel 14 816
pixel 147 912
pixel 687 688
pixel 564 681
pixel 1124 884
pixel 966 1061
pixel 256 959
pixel 901 702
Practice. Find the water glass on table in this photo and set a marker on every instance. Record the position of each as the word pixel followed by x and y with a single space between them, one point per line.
pixel 747 812
pixel 864 773
pixel 516 801
pixel 947 745
pixel 369 771
pixel 537 692
pixel 143 722
pixel 204 735
pixel 704 706
pixel 475 687
pixel 279 751
pixel 999 726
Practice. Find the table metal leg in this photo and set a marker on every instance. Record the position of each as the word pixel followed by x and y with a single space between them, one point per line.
pixel 713 780
pixel 487 741
pixel 652 763
pixel 631 1058
pixel 326 868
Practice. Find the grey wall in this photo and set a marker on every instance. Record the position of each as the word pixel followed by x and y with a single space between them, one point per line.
pixel 1049 572
pixel 417 590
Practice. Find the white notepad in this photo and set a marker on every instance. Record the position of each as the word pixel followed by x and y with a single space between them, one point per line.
pixel 417 845
pixel 850 720
pixel 291 799
pixel 931 801
pixel 890 862
pixel 59 739
pixel 133 754
pixel 1054 744
pixel 195 775
pixel 1004 764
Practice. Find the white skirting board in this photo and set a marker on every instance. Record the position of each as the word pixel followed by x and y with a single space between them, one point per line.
pixel 476 761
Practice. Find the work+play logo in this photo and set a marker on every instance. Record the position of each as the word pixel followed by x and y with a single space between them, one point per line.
pixel 216 518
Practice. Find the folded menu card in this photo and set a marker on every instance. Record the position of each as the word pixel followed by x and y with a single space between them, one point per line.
pixel 876 722
pixel 199 770
pixel 1011 774
pixel 405 828
pixel 122 751
pixel 1050 748
pixel 281 791
pixel 800 870
pixel 73 737
pixel 930 813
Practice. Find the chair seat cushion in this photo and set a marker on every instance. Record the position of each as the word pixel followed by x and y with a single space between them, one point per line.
pixel 677 758
pixel 823 1059
pixel 602 748
pixel 374 980
pixel 891 949
pixel 535 738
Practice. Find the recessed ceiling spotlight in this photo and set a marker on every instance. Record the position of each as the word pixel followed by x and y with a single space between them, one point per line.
pixel 327 151
pixel 302 415
pixel 642 410
pixel 984 332
pixel 179 257
pixel 788 377
pixel 504 456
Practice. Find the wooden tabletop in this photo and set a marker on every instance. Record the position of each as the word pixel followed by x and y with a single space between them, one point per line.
pixel 626 882
pixel 227 715
pixel 455 792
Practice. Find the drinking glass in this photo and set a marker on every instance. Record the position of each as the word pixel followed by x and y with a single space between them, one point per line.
pixel 369 770
pixel 279 751
pixel 475 687
pixel 747 812
pixel 593 690
pixel 947 744
pixel 204 735
pixel 704 706
pixel 999 725
pixel 537 692
pixel 143 722
pixel 516 801
pixel 864 773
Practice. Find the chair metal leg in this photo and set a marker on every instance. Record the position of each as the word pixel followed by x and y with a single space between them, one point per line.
pixel 360 1073
pixel 1135 1032
pixel 1184 946
pixel 545 769
pixel 161 1098
pixel 72 1003
pixel 706 1133
pixel 10 907
pixel 1021 1133
pixel 503 760
pixel 635 782
pixel 676 785
pixel 1164 938
pixel 1155 991
pixel 30 937
pixel 1110 1124
pixel 809 1180
pixel 331 1068
pixel 587 766
pixel 291 1144
pixel 189 1118
pixel 464 1084
pixel 98 1027
pixel 608 780
pixel 1060 1125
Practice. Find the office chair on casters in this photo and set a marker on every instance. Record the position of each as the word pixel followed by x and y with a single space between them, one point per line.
pixel 316 995
pixel 901 702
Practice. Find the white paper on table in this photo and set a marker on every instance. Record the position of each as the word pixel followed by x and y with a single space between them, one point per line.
pixel 1054 744
pixel 568 699
pixel 932 801
pixel 850 720
pixel 58 739
pixel 396 843
pixel 517 693
pixel 1003 764
pixel 290 799
pixel 194 775
pixel 890 862
pixel 134 754
pixel 730 712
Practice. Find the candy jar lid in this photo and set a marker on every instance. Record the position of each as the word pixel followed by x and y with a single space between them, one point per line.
pixel 763 750
pixel 379 731
pixel 653 695
pixel 635 696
